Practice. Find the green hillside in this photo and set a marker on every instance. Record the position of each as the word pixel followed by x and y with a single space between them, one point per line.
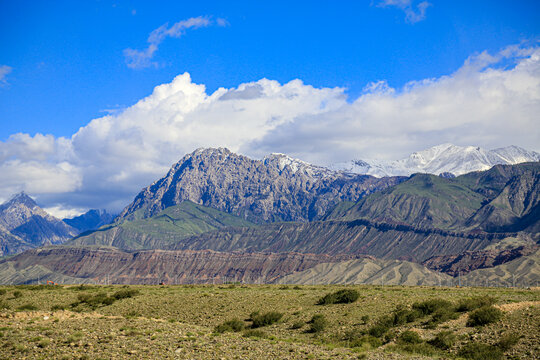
pixel 504 198
pixel 170 225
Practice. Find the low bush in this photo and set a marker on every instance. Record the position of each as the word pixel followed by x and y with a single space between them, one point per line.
pixel 430 306
pixel 443 340
pixel 345 296
pixel 508 341
pixel 26 307
pixel 17 294
pixel 297 325
pixel 269 318
pixel 484 315
pixel 378 330
pixel 234 325
pixel 372 341
pixel 478 351
pixel 474 303
pixel 409 337
pixel 125 294
pixel 441 315
pixel 318 323
pixel 3 292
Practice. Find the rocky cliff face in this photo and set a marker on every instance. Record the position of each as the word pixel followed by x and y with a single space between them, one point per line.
pixel 276 188
pixel 30 226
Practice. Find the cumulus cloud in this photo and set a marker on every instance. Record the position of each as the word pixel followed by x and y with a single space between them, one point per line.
pixel 413 13
pixel 4 71
pixel 137 59
pixel 493 100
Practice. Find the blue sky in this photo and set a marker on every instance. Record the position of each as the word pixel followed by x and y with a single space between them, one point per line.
pixel 100 98
pixel 68 65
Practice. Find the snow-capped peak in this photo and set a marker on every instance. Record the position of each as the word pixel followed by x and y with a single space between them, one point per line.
pixel 444 158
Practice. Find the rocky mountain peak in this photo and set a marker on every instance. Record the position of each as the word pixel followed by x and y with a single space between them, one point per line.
pixel 21 199
pixel 277 188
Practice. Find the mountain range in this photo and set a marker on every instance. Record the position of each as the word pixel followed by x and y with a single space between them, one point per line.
pixel 24 225
pixel 447 159
pixel 218 216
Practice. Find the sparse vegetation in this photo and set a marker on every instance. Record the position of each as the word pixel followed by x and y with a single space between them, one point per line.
pixel 199 321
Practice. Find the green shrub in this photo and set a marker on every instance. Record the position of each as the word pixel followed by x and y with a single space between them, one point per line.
pixel 474 303
pixel 441 315
pixel 378 330
pixel 3 292
pixel 345 296
pixel 409 337
pixel 372 341
pixel 428 307
pixel 256 333
pixel 478 351
pixel 58 307
pixel 297 325
pixel 444 340
pixel 508 341
pixel 365 319
pixel 318 323
pixel 233 325
pixel 484 315
pixel 125 294
pixel 269 318
pixel 17 294
pixel 27 307
pixel 94 301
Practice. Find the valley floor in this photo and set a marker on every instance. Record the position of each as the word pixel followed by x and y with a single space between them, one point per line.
pixel 179 322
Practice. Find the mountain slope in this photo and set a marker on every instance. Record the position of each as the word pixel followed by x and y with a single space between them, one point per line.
pixel 367 271
pixel 90 220
pixel 159 231
pixel 445 158
pixel 30 225
pixel 277 188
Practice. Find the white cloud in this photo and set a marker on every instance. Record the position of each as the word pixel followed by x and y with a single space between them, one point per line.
pixel 137 59
pixel 493 100
pixel 413 13
pixel 4 71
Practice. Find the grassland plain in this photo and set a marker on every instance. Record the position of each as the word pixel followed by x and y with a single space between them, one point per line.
pixel 178 322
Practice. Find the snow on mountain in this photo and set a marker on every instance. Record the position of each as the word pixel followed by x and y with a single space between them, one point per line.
pixel 445 158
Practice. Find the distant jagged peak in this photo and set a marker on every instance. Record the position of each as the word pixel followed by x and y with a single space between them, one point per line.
pixel 281 161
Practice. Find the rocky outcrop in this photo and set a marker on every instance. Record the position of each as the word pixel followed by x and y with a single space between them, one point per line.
pixel 276 188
